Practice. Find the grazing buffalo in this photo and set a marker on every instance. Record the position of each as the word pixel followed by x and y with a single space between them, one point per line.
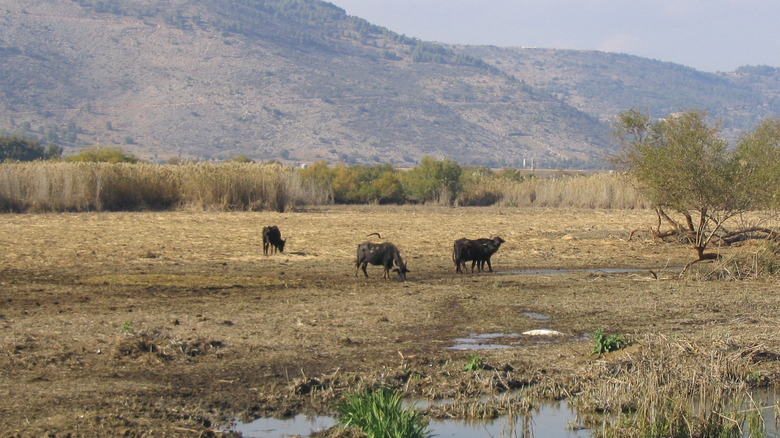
pixel 478 251
pixel 272 240
pixel 385 254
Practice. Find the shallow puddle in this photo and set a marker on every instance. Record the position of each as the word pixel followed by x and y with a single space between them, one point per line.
pixel 586 270
pixel 483 341
pixel 536 316
pixel 549 421
pixel 299 425
pixel 495 341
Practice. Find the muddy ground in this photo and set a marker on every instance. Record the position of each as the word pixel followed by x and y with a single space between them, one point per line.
pixel 150 324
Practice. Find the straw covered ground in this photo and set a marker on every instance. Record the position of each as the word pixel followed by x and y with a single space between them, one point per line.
pixel 145 324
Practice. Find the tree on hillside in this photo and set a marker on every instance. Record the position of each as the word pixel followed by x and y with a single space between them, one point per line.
pixel 696 182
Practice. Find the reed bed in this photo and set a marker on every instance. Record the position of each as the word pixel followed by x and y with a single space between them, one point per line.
pixel 672 387
pixel 601 190
pixel 91 186
pixel 59 186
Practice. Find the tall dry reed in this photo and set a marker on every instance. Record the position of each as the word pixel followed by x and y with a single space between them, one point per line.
pixel 52 186
pixel 672 387
pixel 601 190
pixel 49 186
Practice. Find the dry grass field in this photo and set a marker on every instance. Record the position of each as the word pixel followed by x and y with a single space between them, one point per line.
pixel 150 324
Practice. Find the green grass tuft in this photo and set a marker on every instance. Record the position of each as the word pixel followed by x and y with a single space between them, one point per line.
pixel 606 343
pixel 474 363
pixel 379 414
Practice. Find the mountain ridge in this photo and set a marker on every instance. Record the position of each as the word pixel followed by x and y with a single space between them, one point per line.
pixel 288 80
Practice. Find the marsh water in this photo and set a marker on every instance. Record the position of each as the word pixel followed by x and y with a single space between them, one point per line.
pixel 549 421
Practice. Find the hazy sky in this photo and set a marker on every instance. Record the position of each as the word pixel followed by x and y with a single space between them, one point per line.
pixel 709 35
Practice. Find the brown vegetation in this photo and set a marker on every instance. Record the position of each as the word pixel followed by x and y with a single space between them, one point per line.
pixel 79 187
pixel 51 186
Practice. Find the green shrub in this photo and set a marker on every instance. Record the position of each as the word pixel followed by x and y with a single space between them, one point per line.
pixel 12 148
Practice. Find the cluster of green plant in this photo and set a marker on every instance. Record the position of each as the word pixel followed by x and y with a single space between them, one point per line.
pixel 379 414
pixel 606 343
pixel 435 181
pixel 357 184
pixel 474 363
pixel 46 134
pixel 127 327
pixel 431 181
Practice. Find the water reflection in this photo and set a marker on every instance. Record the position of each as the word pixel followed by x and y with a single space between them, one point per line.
pixel 547 420
pixel 536 316
pixel 299 425
pixel 483 341
pixel 550 420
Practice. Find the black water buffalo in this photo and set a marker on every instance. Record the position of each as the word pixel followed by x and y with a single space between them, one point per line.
pixel 272 240
pixel 385 254
pixel 478 251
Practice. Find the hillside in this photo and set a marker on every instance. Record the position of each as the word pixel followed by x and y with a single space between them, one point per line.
pixel 291 80
pixel 299 81
pixel 604 84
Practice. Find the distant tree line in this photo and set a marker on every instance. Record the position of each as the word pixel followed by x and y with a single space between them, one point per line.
pixel 13 148
pixel 443 182
pixel 17 148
